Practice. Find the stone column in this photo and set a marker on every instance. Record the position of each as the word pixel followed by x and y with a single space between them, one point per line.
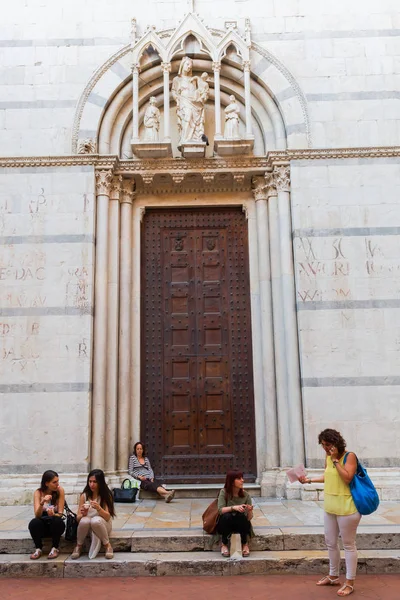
pixel 217 100
pixel 260 190
pixel 135 98
pixel 124 379
pixel 112 326
pixel 282 182
pixel 247 98
pixel 285 454
pixel 103 184
pixel 166 67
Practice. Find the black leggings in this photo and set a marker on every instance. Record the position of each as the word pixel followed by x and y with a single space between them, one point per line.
pixel 46 527
pixel 233 522
pixel 150 486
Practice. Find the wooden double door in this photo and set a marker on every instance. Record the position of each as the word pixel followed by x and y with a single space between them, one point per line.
pixel 197 399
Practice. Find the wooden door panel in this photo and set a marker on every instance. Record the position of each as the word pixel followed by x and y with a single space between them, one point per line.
pixel 196 344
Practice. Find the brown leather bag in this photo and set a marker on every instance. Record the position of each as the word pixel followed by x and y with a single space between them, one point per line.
pixel 210 517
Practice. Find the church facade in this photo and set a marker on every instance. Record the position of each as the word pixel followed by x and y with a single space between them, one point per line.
pixel 200 234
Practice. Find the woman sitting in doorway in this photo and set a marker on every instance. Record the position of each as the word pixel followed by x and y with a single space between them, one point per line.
pixel 236 511
pixel 95 511
pixel 48 506
pixel 140 468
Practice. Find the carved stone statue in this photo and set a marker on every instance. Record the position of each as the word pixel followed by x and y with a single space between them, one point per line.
pixel 190 93
pixel 232 120
pixel 151 121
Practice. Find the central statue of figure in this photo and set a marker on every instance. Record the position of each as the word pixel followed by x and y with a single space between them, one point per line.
pixel 190 93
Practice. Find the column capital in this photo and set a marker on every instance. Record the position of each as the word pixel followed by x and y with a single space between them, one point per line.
pixel 128 193
pixel 270 183
pixel 103 182
pixel 282 178
pixel 216 66
pixel 115 187
pixel 166 67
pixel 135 68
pixel 259 188
pixel 246 66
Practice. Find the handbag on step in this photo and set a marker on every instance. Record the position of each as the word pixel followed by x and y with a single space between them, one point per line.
pixel 363 491
pixel 126 493
pixel 71 524
pixel 210 517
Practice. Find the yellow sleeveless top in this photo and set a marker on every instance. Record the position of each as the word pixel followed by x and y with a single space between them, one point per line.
pixel 337 495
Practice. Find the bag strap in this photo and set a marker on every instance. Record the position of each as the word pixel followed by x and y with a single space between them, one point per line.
pixel 67 509
pixel 123 484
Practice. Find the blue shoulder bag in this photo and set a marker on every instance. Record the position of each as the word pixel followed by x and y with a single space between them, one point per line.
pixel 363 490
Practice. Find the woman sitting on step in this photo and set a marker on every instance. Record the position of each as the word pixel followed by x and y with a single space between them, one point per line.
pixel 341 515
pixel 236 511
pixel 95 511
pixel 140 468
pixel 48 506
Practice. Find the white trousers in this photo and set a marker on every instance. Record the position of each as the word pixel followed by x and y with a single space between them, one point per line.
pixel 347 527
pixel 100 530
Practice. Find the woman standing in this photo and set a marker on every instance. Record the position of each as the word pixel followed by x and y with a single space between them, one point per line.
pixel 341 515
pixel 95 511
pixel 236 511
pixel 140 468
pixel 48 506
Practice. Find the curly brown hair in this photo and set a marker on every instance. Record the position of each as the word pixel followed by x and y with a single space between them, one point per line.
pixel 331 436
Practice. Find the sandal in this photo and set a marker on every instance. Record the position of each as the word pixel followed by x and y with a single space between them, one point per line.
pixel 328 581
pixel 170 496
pixel 225 550
pixel 342 592
pixel 245 550
pixel 54 552
pixel 109 552
pixel 37 554
pixel 76 553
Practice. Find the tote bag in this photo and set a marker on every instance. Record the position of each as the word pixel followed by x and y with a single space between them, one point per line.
pixel 363 490
pixel 210 517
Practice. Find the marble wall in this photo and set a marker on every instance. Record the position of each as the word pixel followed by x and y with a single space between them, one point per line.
pixel 46 312
pixel 346 221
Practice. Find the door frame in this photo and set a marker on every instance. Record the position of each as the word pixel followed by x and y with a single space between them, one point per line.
pixel 217 199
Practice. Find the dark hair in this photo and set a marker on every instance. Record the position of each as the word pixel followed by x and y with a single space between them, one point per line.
pixel 230 480
pixel 143 446
pixel 106 498
pixel 333 437
pixel 46 478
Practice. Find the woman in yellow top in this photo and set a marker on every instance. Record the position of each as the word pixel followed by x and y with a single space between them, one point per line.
pixel 341 515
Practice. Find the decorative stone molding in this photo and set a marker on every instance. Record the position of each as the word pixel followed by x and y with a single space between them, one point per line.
pixel 282 178
pixel 208 177
pixel 115 188
pixel 103 182
pixel 238 178
pixel 166 67
pixel 270 183
pixel 148 178
pixel 246 65
pixel 216 66
pixel 246 211
pixel 177 178
pixel 128 193
pixel 142 211
pixel 87 146
pixel 259 188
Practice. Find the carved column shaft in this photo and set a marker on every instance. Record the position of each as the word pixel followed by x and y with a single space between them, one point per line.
pixel 260 195
pixel 282 182
pixel 285 454
pixel 103 181
pixel 217 99
pixel 134 426
pixel 124 351
pixel 247 98
pixel 166 67
pixel 112 326
pixel 135 98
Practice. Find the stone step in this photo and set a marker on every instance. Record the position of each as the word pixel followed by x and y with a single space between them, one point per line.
pixel 204 490
pixel 373 537
pixel 144 564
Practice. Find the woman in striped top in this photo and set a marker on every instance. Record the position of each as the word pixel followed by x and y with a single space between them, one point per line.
pixel 140 468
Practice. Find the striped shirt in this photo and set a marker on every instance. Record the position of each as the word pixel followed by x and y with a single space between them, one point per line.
pixel 136 469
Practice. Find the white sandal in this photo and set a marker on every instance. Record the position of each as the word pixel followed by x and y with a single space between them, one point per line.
pixel 37 554
pixel 328 581
pixel 342 589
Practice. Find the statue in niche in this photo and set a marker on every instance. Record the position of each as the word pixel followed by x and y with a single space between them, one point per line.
pixel 190 93
pixel 151 121
pixel 232 111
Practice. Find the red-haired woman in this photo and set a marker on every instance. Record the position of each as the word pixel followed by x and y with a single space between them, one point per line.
pixel 236 511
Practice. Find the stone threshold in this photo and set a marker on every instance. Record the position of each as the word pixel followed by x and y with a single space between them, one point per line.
pixel 193 563
pixel 311 538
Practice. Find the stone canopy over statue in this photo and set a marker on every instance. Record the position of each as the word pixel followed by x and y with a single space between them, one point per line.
pixel 190 93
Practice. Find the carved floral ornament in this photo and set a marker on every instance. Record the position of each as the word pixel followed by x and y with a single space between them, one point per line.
pixel 282 178
pixel 103 182
pixel 115 188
